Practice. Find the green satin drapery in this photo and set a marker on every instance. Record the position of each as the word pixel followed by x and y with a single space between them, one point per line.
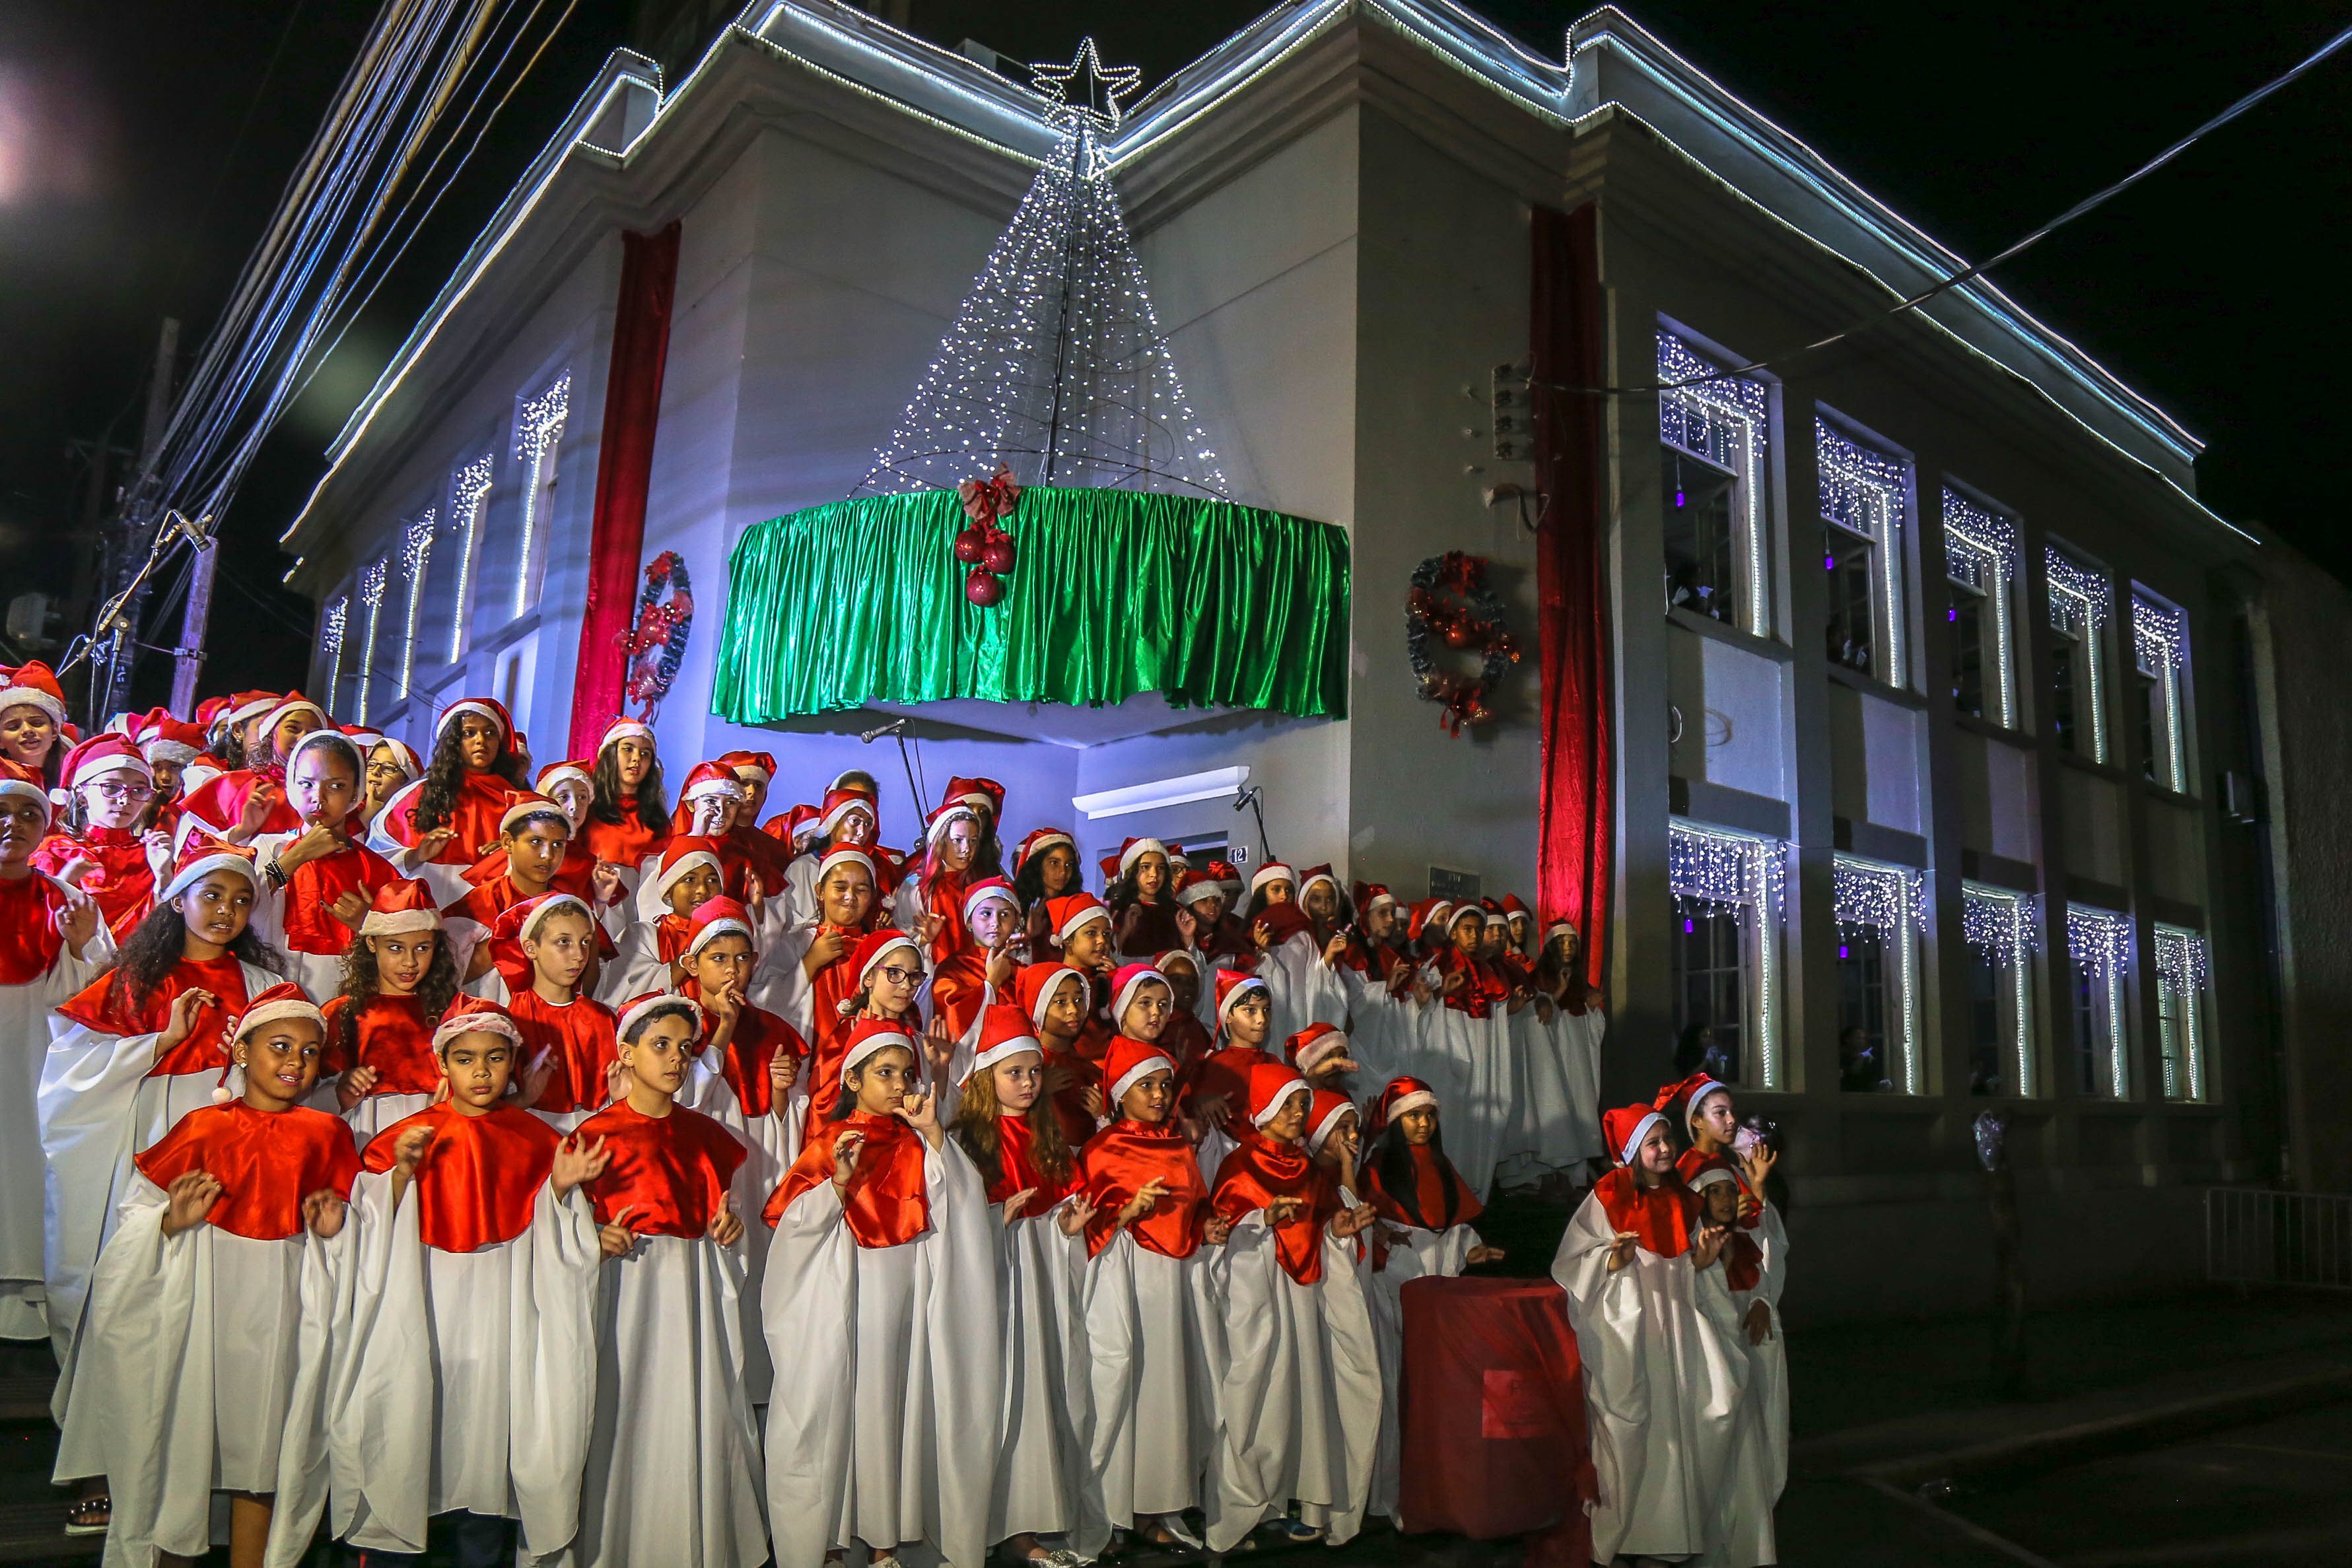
pixel 1206 602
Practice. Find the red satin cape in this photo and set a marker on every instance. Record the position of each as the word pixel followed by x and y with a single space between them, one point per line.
pixel 1119 1162
pixel 29 942
pixel 391 1036
pixel 482 799
pixel 219 803
pixel 1432 1174
pixel 624 844
pixel 123 884
pixel 888 1204
pixel 759 1036
pixel 266 1161
pixel 1660 1216
pixel 672 1170
pixel 480 1177
pixel 206 1047
pixel 312 886
pixel 584 1036
pixel 1018 1169
pixel 1260 1170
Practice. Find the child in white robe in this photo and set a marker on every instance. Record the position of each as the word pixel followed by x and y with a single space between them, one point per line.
pixel 881 1308
pixel 1758 1463
pixel 673 1472
pixel 398 978
pixel 218 1282
pixel 1664 1372
pixel 318 879
pixel 1302 979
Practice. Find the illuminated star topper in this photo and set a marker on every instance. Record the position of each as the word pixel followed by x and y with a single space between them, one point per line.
pixel 1054 82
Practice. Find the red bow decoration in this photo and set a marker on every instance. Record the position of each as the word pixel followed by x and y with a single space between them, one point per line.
pixel 985 546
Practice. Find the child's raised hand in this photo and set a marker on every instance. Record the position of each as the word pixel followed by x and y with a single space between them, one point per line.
pixel 350 909
pixel 1075 1215
pixel 1350 1222
pixel 1758 1323
pixel 921 1111
pixel 537 1073
pixel 724 1008
pixel 1016 1203
pixel 428 846
pixel 1263 935
pixel 190 1201
pixel 353 1087
pixel 158 845
pixel 577 1163
pixel 1283 1209
pixel 725 1228
pixel 826 950
pixel 186 1008
pixel 1749 1205
pixel 1621 1248
pixel 257 807
pixel 1709 1246
pixel 1187 924
pixel 1757 1164
pixel 615 1238
pixel 604 883
pixel 409 1149
pixel 77 921
pixel 784 1072
pixel 939 1047
pixel 846 1150
pixel 1091 1097
pixel 1485 1255
pixel 1002 965
pixel 1334 950
pixel 323 1213
pixel 1146 1199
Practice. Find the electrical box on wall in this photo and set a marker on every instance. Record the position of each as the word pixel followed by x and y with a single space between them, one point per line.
pixel 1457 885
pixel 1511 408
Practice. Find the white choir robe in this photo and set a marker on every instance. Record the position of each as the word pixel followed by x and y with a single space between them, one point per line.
pixel 1423 1254
pixel 1155 1335
pixel 24 1172
pixel 1300 987
pixel 637 969
pixel 883 1428
pixel 373 1114
pixel 1299 1399
pixel 1380 1027
pixel 1045 1483
pixel 447 879
pixel 1663 1376
pixel 1555 1117
pixel 673 1472
pixel 464 1381
pixel 770 1144
pixel 321 975
pixel 1759 1467
pixel 777 984
pixel 99 1111
pixel 1474 1079
pixel 195 1345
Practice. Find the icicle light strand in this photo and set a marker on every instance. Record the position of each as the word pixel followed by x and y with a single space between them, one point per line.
pixel 2099 940
pixel 1880 898
pixel 2182 960
pixel 2074 591
pixel 1726 871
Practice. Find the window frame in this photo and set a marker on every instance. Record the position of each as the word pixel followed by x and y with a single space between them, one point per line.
pixel 1857 476
pixel 2079 601
pixel 1987 539
pixel 2099 947
pixel 537 449
pixel 2184 984
pixel 1722 870
pixel 1738 410
pixel 2160 635
pixel 2000 927
pixel 1889 901
pixel 470 484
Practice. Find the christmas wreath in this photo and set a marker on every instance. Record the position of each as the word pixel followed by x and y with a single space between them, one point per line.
pixel 656 648
pixel 1451 605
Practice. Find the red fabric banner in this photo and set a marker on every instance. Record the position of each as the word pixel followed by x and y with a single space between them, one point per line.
pixel 1574 820
pixel 1492 1417
pixel 633 387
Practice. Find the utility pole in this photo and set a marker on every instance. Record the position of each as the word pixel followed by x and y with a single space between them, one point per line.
pixel 135 534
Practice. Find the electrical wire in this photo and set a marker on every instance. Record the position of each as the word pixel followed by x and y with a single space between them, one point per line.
pixel 1947 284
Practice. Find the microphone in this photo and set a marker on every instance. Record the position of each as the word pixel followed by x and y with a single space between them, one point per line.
pixel 1246 798
pixel 895 726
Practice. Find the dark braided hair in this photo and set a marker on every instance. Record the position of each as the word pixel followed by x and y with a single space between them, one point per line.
pixel 436 803
pixel 362 984
pixel 154 949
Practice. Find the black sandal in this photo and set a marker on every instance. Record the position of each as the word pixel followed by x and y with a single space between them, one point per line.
pixel 77 1515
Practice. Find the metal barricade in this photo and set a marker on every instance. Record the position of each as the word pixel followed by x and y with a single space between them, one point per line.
pixel 2257 1237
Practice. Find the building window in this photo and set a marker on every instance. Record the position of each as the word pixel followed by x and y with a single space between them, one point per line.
pixel 2160 649
pixel 1879 911
pixel 372 582
pixel 415 562
pixel 539 431
pixel 2079 600
pixel 2099 942
pixel 1718 535
pixel 330 643
pixel 1980 566
pixel 470 489
pixel 2183 978
pixel 1865 495
pixel 1999 927
pixel 1727 948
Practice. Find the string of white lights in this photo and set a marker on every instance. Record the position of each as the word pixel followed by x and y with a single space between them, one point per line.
pixel 1722 421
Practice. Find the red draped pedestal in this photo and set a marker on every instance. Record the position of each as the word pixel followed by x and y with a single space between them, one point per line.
pixel 1493 1416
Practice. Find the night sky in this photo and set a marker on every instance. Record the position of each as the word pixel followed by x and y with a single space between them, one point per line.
pixel 142 147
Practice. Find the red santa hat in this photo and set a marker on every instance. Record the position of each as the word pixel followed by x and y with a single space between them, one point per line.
pixel 1126 982
pixel 401 906
pixel 869 1036
pixel 876 945
pixel 1679 1102
pixel 839 803
pixel 1514 907
pixel 329 737
pixel 635 1011
pixel 749 765
pixel 684 853
pixel 103 753
pixel 1428 913
pixel 1495 915
pixel 519 922
pixel 209 710
pixel 162 737
pixel 1271 1086
pixel 981 892
pixel 1316 873
pixel 1039 841
pixel 1561 926
pixel 1132 850
pixel 1036 984
pixel 247 706
pixel 706 779
pixel 1233 988
pixel 1004 1032
pixel 799 820
pixel 935 826
pixel 1195 885
pixel 283 1001
pixel 25 788
pixel 1402 1094
pixel 1184 956
pixel 200 857
pixel 402 755
pixel 290 703
pixel 1624 1128
pixel 472 1015
pixel 524 808
pixel 717 918
pixel 850 854
pixel 1071 912
pixel 554 773
pixel 1315 1044
pixel 1463 912
pixel 1273 872
pixel 986 794
pixel 1224 873
pixel 1323 1116
pixel 1129 1062
pixel 483 707
pixel 1368 896
pixel 622 729
pixel 32 684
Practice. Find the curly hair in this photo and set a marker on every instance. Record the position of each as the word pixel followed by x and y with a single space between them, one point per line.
pixel 155 948
pixel 436 801
pixel 977 1127
pixel 610 804
pixel 1393 1161
pixel 362 984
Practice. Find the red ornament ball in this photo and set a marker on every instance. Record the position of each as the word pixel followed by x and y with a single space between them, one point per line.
pixel 1458 635
pixel 983 588
pixel 997 554
pixel 968 546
